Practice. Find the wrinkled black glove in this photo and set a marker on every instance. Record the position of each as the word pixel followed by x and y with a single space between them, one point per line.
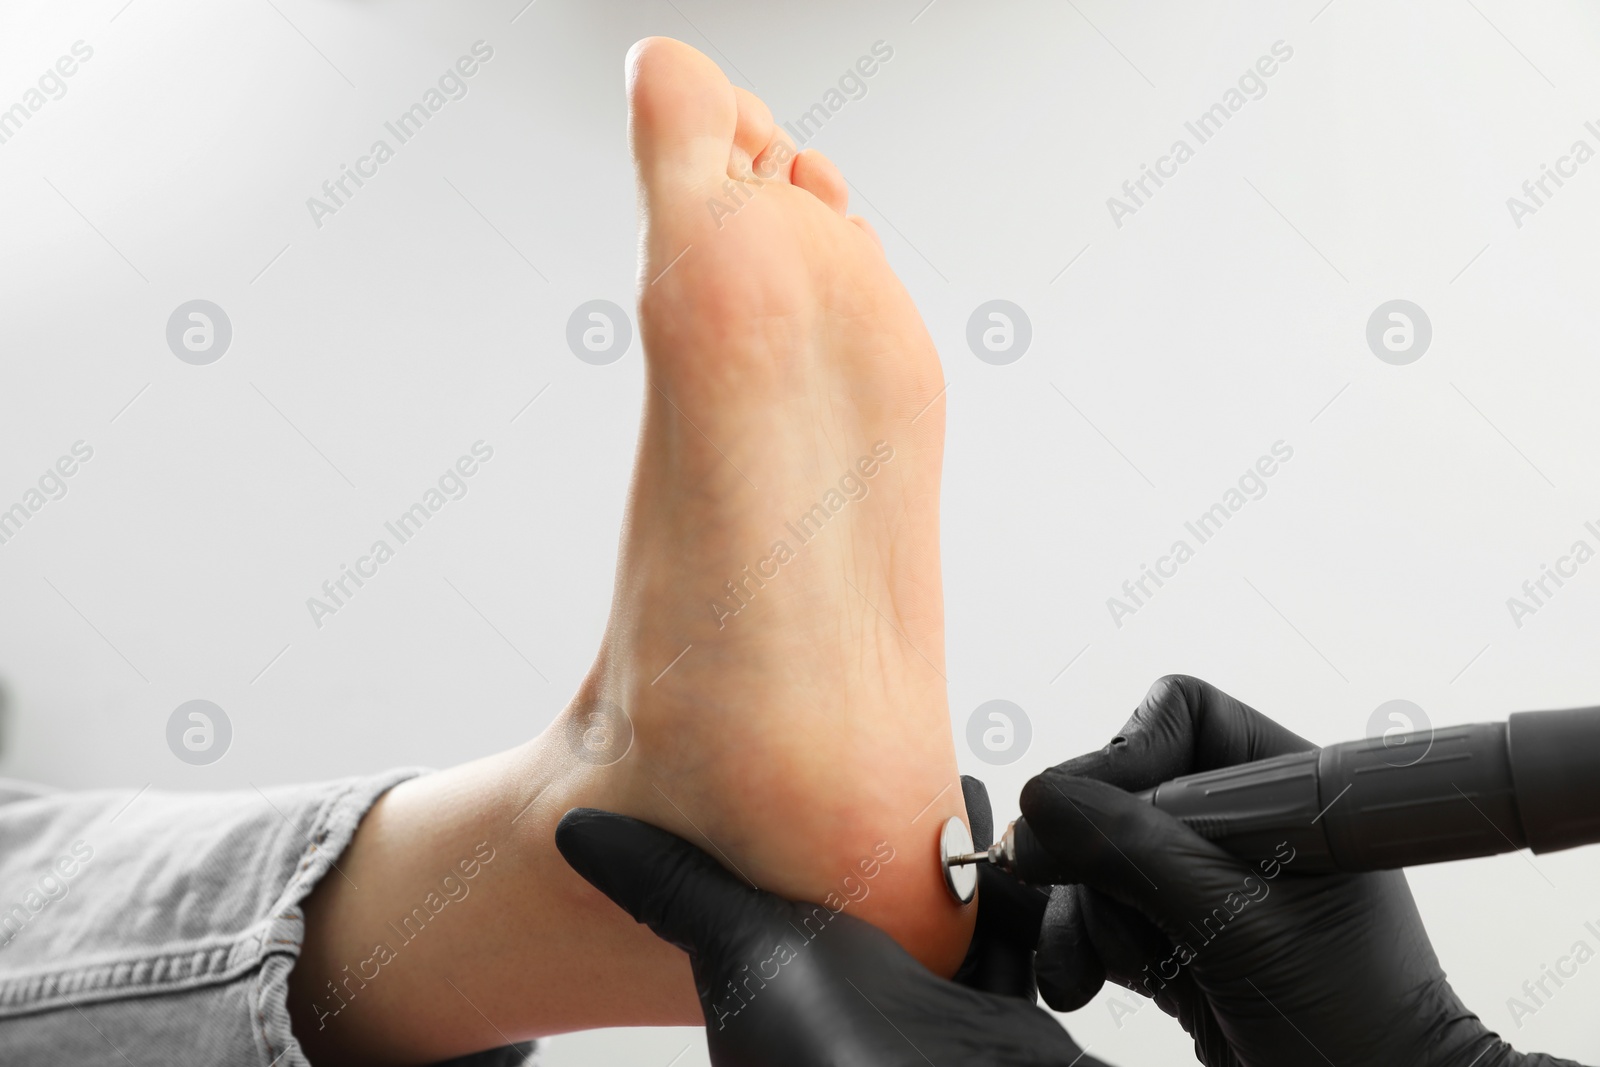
pixel 1260 966
pixel 785 984
pixel 1010 916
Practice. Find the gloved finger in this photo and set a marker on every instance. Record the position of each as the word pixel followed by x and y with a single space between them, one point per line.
pixel 1184 726
pixel 1008 910
pixel 1127 948
pixel 1000 958
pixel 1138 956
pixel 980 816
pixel 1066 964
pixel 1110 840
pixel 663 881
pixel 1089 937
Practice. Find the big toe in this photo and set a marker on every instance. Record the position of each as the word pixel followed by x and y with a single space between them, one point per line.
pixel 682 114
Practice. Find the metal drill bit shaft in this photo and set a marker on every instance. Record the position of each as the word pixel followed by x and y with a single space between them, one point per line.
pixel 1002 854
pixel 972 857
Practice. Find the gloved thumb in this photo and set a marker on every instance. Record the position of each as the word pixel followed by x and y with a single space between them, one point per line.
pixel 660 879
pixel 980 816
pixel 1067 965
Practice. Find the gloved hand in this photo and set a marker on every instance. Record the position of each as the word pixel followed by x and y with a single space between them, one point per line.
pixel 1010 915
pixel 785 984
pixel 1260 966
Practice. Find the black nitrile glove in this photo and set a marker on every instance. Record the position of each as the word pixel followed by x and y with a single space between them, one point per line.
pixel 1260 966
pixel 1010 915
pixel 794 985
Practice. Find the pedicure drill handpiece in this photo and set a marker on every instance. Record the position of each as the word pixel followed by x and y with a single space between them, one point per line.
pixel 1385 802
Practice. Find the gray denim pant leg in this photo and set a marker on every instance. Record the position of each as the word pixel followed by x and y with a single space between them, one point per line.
pixel 161 928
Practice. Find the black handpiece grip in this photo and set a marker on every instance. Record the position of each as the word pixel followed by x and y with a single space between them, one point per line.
pixel 1363 805
pixel 1442 796
pixel 1252 808
pixel 1385 802
pixel 1429 796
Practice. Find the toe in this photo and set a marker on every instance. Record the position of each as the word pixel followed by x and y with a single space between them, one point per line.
pixel 816 174
pixel 775 160
pixel 752 134
pixel 682 113
pixel 866 228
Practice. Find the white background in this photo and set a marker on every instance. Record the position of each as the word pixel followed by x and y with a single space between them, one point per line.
pixel 1227 314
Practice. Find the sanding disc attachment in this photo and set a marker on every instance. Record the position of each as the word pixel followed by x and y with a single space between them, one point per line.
pixel 956 840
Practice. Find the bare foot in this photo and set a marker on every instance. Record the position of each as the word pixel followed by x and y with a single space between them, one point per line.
pixel 777 628
pixel 776 634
